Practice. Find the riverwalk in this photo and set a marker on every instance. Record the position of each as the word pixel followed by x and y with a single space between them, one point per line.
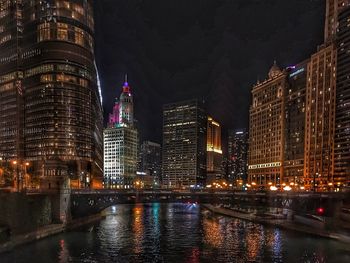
pixel 280 223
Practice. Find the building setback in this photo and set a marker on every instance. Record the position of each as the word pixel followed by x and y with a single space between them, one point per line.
pixel 342 116
pixel 50 105
pixel 237 156
pixel 184 144
pixel 120 143
pixel 266 130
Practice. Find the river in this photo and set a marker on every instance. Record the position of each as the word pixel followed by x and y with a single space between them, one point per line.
pixel 178 233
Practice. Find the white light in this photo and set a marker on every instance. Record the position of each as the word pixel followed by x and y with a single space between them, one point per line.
pixel 287 188
pixel 273 188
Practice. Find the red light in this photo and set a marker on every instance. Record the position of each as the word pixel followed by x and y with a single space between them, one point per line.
pixel 320 210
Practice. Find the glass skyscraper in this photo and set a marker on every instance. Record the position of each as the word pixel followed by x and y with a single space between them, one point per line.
pixel 50 106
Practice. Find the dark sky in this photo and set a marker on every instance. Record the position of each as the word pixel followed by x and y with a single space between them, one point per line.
pixel 213 49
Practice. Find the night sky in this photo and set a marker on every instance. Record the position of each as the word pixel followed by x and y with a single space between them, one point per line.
pixel 212 49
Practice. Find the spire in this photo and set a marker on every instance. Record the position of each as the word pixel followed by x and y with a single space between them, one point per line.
pixel 126 88
pixel 126 80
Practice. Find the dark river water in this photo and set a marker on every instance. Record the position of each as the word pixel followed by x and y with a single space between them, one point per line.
pixel 178 233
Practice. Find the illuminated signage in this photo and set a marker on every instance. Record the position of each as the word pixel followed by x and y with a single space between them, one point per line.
pixel 264 165
pixel 297 72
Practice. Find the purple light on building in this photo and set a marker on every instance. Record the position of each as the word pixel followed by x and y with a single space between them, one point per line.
pixel 114 116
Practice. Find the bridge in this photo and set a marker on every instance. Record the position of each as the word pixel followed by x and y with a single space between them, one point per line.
pixel 84 202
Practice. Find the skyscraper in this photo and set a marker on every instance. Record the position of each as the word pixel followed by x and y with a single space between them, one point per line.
pixel 120 143
pixel 214 151
pixel 237 156
pixel 320 116
pixel 295 105
pixel 50 106
pixel 266 130
pixel 342 116
pixel 333 7
pixel 150 159
pixel 184 144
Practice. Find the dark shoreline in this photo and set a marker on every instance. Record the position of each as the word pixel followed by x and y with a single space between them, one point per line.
pixel 47 231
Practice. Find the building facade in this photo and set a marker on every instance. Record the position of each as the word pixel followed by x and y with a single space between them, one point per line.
pixel 320 116
pixel 237 166
pixel 266 130
pixel 150 160
pixel 295 105
pixel 184 144
pixel 121 144
pixel 342 115
pixel 333 8
pixel 214 151
pixel 50 104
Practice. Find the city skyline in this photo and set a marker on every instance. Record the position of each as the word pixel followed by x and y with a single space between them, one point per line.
pixel 140 46
pixel 174 131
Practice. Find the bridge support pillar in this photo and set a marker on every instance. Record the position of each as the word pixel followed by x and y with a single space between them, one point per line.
pixel 61 202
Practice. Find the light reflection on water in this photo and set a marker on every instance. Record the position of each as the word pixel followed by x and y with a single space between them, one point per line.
pixel 178 233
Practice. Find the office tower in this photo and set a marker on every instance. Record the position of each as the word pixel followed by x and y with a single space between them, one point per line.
pixel 237 156
pixel 342 115
pixel 184 144
pixel 150 159
pixel 295 104
pixel 214 151
pixel 266 130
pixel 120 144
pixel 50 106
pixel 333 7
pixel 320 116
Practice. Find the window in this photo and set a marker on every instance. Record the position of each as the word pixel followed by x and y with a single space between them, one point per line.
pixel 62 31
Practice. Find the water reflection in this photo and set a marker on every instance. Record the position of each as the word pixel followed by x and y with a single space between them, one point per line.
pixel 178 233
pixel 137 228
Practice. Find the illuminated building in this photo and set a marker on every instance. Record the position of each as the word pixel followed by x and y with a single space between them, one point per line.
pixel 214 152
pixel 342 118
pixel 150 160
pixel 120 144
pixel 320 115
pixel 295 124
pixel 333 7
pixel 237 155
pixel 184 144
pixel 50 106
pixel 266 130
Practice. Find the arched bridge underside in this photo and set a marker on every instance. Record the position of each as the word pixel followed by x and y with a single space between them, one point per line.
pixel 89 202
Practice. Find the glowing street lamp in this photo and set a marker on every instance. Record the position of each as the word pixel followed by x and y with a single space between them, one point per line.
pixel 287 188
pixel 273 188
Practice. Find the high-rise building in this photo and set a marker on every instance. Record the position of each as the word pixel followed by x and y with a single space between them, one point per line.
pixel 214 151
pixel 333 7
pixel 120 144
pixel 266 130
pixel 295 104
pixel 320 116
pixel 50 105
pixel 150 159
pixel 184 144
pixel 237 165
pixel 342 115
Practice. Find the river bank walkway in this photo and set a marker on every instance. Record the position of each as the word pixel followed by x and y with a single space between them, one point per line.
pixel 280 223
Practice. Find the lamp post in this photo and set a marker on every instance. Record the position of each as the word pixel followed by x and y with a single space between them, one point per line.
pixel 17 176
pixel 314 182
pixel 25 175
